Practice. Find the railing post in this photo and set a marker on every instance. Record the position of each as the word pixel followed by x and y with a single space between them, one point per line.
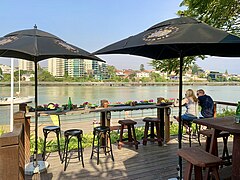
pixel 215 109
pixel 19 117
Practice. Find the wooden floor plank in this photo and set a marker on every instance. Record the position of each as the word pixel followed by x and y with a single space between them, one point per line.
pixel 148 162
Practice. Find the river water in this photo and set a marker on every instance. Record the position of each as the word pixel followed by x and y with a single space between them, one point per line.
pixel 94 94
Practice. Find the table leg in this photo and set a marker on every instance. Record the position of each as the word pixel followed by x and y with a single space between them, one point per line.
pixel 160 115
pixel 103 118
pixel 235 157
pixel 167 123
pixel 214 146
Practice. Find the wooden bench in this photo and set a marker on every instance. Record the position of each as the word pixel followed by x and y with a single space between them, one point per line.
pixel 208 133
pixel 199 159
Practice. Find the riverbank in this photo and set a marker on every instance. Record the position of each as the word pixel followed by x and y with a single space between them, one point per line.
pixel 128 84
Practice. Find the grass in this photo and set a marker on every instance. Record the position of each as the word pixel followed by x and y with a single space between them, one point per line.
pixel 87 139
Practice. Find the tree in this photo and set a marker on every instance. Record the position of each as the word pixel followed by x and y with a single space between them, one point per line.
pixel 223 14
pixel 172 65
pixel 142 67
pixel 226 72
pixel 111 70
pixel 195 68
pixel 45 76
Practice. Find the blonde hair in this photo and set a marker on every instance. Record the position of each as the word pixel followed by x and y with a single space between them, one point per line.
pixel 190 93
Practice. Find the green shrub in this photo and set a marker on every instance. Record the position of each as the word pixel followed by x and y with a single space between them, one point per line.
pixel 87 138
pixel 1 131
pixel 226 112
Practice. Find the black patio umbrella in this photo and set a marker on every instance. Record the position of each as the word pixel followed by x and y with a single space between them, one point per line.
pixel 175 38
pixel 36 45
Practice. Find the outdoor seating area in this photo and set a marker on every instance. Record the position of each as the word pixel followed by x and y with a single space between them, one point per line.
pixel 154 161
pixel 148 162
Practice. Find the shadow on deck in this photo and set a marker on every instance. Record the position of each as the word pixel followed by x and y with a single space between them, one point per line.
pixel 148 162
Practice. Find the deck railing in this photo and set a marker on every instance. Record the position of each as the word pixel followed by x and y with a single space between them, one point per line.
pixel 15 148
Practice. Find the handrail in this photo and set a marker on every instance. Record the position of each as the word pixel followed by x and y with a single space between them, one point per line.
pixel 225 103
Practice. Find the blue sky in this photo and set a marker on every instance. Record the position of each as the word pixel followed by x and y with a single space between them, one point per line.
pixel 93 24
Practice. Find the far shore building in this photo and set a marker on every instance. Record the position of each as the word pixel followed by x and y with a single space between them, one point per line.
pixel 85 67
pixel 56 67
pixel 26 65
pixel 5 69
pixel 143 74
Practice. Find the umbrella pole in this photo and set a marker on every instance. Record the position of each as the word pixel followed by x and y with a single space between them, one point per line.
pixel 36 119
pixel 180 114
pixel 36 167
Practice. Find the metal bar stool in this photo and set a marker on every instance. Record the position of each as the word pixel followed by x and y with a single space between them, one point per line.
pixel 68 135
pixel 46 131
pixel 102 133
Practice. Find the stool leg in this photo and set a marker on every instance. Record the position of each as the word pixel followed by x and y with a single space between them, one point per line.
pixel 78 137
pixel 121 137
pixel 81 151
pixel 190 135
pixel 65 165
pixel 134 136
pixel 225 154
pixel 59 151
pixel 152 131
pixel 64 149
pixel 130 139
pixel 158 133
pixel 44 145
pixel 145 133
pixel 98 139
pixel 106 142
pixel 94 134
pixel 109 136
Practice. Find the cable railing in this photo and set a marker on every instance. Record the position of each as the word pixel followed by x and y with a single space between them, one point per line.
pixel 94 117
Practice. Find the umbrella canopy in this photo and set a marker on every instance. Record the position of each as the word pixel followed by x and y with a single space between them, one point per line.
pixel 174 38
pixel 183 35
pixel 36 45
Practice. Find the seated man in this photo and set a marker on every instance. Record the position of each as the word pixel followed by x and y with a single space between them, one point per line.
pixel 206 103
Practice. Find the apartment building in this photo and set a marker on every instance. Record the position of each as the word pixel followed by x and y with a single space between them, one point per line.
pixel 56 67
pixel 26 65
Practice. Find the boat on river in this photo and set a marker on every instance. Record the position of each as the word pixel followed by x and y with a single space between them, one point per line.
pixel 6 101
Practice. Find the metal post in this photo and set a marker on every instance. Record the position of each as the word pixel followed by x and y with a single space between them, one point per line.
pixel 180 113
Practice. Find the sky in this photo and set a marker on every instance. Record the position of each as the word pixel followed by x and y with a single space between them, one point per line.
pixel 94 24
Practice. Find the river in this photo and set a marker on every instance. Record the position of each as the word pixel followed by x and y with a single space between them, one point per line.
pixel 94 94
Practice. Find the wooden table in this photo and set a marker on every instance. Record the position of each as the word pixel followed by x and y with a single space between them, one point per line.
pixel 225 124
pixel 163 113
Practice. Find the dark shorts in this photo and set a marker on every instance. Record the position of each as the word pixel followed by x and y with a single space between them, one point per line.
pixel 188 117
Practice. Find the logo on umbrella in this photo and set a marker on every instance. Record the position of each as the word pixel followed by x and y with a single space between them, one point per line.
pixel 8 40
pixel 66 46
pixel 160 34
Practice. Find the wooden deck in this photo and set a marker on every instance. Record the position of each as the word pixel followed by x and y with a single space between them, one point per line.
pixel 148 162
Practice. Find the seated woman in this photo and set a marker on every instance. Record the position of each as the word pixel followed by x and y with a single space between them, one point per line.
pixel 191 103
